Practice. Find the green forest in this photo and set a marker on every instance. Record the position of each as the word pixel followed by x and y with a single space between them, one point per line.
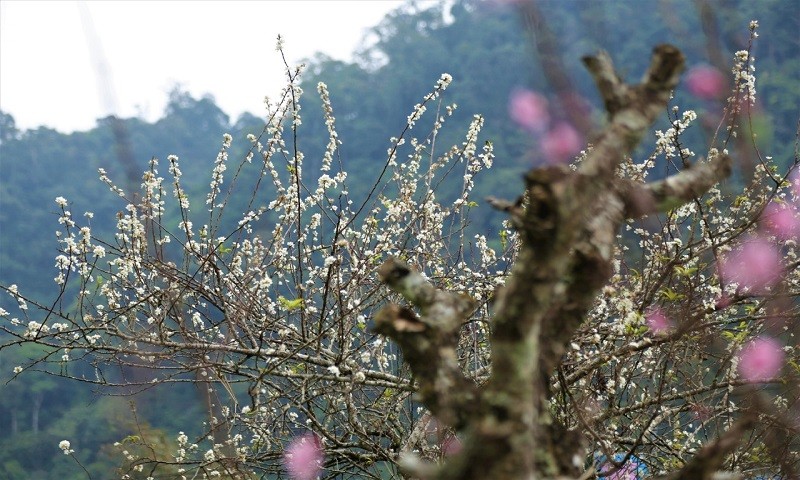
pixel 488 51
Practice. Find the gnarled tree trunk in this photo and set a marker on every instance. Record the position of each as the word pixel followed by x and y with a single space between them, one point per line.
pixel 567 221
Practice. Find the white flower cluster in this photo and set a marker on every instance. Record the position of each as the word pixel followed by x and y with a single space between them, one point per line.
pixel 420 108
pixel 64 446
pixel 294 299
pixel 744 74
pixel 667 142
pixel 330 123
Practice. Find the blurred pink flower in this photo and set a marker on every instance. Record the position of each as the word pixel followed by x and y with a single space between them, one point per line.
pixel 761 359
pixel 451 445
pixel 658 321
pixel 755 265
pixel 629 472
pixel 507 2
pixel 781 220
pixel 303 457
pixel 529 110
pixel 706 82
pixel 702 412
pixel 561 143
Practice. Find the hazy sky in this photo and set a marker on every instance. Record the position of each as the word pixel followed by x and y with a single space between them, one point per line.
pixel 51 52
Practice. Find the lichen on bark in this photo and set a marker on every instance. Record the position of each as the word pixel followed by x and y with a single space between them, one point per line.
pixel 568 223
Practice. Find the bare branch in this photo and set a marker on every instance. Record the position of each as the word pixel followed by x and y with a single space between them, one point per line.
pixel 709 459
pixel 673 191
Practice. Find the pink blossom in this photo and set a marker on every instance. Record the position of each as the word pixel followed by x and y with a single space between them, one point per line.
pixel 451 445
pixel 303 457
pixel 529 110
pixel 761 359
pixel 633 469
pixel 781 220
pixel 657 321
pixel 706 82
pixel 507 2
pixel 561 143
pixel 755 265
pixel 701 413
pixel 629 471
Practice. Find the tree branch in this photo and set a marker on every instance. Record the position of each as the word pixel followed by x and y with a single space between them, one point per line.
pixel 675 190
pixel 634 109
pixel 567 223
pixel 429 341
pixel 705 464
pixel 610 86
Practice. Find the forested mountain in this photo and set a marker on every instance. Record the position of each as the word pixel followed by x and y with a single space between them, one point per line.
pixel 486 49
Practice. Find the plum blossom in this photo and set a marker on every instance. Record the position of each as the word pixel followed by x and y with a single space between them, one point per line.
pixel 706 82
pixel 755 265
pixel 761 359
pixel 64 446
pixel 561 143
pixel 304 457
pixel 657 321
pixel 529 110
pixel 781 220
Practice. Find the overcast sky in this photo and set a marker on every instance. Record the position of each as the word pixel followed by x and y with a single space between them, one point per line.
pixel 52 54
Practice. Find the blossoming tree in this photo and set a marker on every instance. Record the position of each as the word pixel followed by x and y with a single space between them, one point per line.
pixel 333 336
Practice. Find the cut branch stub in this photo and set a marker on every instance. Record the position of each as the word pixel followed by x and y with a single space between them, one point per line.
pixel 611 87
pixel 665 68
pixel 633 109
pixel 543 210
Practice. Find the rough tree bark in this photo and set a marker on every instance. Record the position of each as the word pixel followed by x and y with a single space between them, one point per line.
pixel 568 221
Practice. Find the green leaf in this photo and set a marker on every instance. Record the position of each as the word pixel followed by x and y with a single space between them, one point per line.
pixel 685 271
pixel 130 439
pixel 290 305
pixel 671 295
pixel 794 365
pixel 635 330
pixel 728 335
pixel 670 203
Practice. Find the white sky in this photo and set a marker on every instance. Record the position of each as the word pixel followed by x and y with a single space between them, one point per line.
pixel 49 74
